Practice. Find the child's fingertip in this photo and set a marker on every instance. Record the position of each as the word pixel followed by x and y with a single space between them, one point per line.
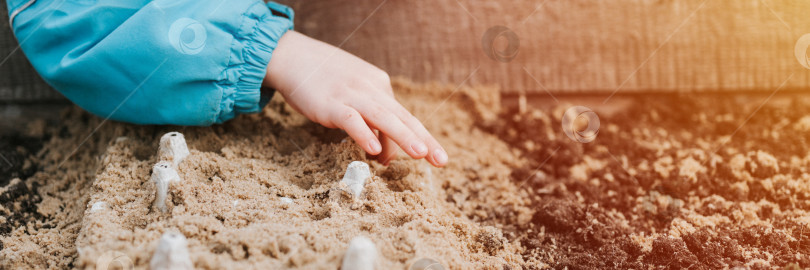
pixel 419 149
pixel 374 147
pixel 440 157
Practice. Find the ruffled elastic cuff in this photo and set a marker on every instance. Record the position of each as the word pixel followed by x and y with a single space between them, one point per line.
pixel 250 54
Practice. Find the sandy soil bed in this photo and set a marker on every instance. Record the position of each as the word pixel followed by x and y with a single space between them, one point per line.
pixel 672 182
pixel 229 203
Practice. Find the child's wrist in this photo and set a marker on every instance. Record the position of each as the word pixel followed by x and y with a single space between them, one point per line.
pixel 278 61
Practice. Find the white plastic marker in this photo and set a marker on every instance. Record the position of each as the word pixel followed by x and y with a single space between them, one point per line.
pixel 163 174
pixel 361 255
pixel 171 253
pixel 426 264
pixel 173 147
pixel 355 177
pixel 98 206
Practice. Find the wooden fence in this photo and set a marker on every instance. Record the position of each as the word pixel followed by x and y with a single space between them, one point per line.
pixel 568 46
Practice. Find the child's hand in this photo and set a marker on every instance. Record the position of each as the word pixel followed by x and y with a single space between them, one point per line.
pixel 340 90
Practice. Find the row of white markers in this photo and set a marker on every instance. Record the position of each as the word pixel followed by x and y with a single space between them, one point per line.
pixel 172 251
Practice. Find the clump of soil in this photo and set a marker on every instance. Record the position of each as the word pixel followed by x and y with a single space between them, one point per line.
pixel 672 182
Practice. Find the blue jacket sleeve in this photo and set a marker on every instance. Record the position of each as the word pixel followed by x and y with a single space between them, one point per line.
pixel 181 62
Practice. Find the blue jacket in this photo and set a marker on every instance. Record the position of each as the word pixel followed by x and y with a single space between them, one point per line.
pixel 181 62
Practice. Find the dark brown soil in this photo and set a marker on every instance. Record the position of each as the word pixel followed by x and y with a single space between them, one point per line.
pixel 606 215
pixel 15 151
pixel 20 198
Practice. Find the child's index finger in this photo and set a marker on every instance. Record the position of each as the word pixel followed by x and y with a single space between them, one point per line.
pixel 389 124
pixel 352 122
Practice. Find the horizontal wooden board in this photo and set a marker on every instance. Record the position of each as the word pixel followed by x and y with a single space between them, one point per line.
pixel 575 45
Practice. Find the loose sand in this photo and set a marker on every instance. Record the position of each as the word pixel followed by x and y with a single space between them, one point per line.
pixel 672 182
pixel 229 204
